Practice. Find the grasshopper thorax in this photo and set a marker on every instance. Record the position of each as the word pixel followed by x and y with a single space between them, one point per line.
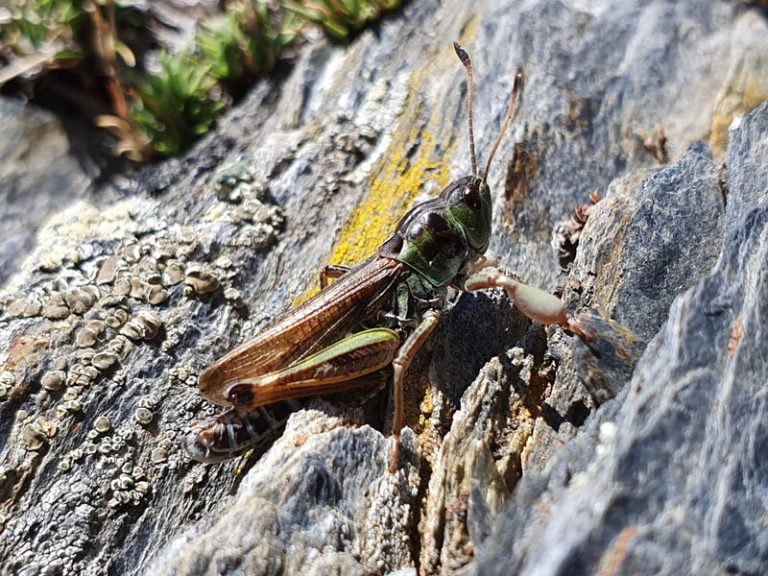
pixel 438 237
pixel 429 241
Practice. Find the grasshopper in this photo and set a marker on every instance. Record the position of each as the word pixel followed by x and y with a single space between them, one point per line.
pixel 320 347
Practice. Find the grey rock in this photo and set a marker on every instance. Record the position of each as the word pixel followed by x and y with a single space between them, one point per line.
pixel 37 176
pixel 478 461
pixel 747 178
pixel 322 499
pixel 674 483
pixel 649 239
pixel 541 402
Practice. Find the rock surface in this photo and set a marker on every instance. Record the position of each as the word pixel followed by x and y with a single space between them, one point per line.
pixel 532 451
pixel 38 175
pixel 667 478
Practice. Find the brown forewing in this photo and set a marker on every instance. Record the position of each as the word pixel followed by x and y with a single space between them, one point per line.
pixel 330 314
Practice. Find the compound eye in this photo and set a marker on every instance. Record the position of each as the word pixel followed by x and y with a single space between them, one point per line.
pixel 471 197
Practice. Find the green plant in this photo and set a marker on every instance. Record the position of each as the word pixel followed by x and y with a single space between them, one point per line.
pixel 162 113
pixel 30 26
pixel 223 44
pixel 341 18
pixel 35 35
pixel 178 104
pixel 247 41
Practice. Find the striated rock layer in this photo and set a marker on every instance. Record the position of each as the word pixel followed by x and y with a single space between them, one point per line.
pixel 667 478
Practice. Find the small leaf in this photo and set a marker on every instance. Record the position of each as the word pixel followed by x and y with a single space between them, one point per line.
pixel 125 53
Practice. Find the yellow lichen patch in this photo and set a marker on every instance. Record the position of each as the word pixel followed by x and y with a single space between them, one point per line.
pixel 416 157
pixel 429 436
pixel 400 177
pixel 399 181
pixel 426 409
pixel 745 89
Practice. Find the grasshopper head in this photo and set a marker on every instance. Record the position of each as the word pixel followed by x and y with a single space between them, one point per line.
pixel 437 237
pixel 469 198
pixel 469 203
pixel 429 241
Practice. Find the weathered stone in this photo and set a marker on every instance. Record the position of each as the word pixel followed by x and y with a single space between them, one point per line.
pixel 667 229
pixel 675 489
pixel 38 176
pixel 320 473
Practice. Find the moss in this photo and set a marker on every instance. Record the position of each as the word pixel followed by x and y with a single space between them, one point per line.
pixel 162 112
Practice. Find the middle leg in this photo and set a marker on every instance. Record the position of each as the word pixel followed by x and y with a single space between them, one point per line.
pixel 400 366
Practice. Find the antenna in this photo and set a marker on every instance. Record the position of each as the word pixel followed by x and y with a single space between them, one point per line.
pixel 464 57
pixel 517 88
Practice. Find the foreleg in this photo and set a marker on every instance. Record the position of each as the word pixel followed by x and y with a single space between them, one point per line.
pixel 536 304
pixel 332 271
